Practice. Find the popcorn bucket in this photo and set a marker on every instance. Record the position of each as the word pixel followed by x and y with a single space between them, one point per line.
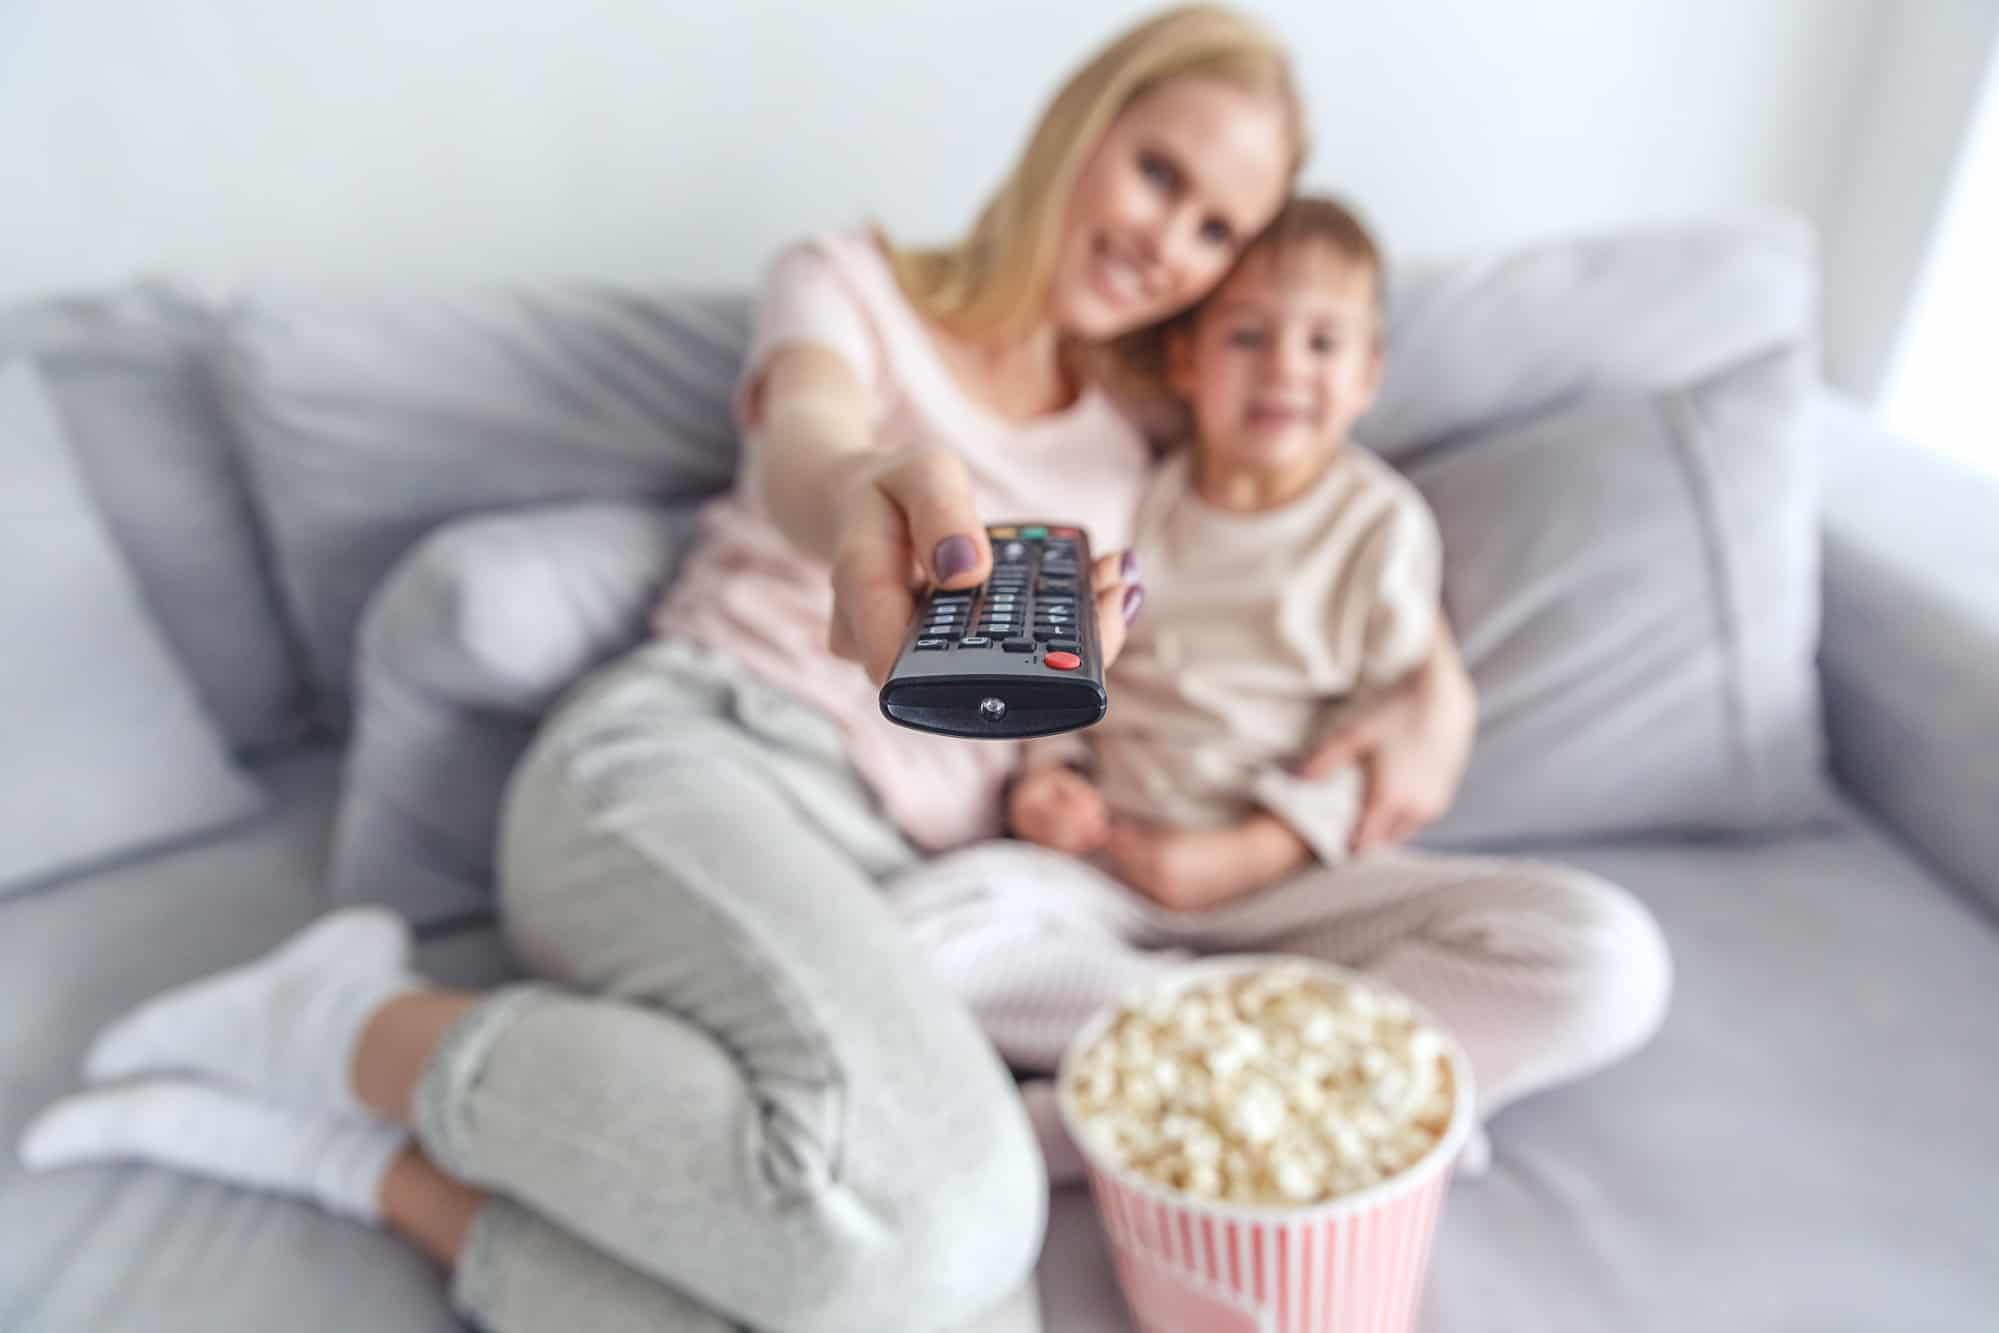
pixel 1351 1264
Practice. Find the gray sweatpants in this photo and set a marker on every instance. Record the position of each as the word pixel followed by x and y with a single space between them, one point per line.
pixel 1542 972
pixel 742 1097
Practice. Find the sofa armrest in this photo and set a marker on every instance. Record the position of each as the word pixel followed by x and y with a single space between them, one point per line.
pixel 1910 649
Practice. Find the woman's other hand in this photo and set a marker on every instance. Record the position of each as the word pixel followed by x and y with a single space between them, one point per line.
pixel 1412 745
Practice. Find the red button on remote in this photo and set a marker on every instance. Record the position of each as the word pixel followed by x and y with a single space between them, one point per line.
pixel 1062 661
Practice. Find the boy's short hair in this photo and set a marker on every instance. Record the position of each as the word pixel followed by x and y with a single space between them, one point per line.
pixel 1317 219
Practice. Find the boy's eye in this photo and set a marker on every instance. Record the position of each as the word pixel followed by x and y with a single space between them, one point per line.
pixel 1246 338
pixel 1218 233
pixel 1325 344
pixel 1159 171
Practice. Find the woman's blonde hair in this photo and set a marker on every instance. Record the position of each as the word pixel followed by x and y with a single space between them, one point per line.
pixel 994 282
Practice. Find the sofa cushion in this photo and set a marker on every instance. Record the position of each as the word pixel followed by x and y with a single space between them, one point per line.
pixel 128 373
pixel 106 750
pixel 368 422
pixel 1476 343
pixel 1634 583
pixel 463 648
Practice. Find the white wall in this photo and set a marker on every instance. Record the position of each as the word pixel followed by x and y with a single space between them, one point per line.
pixel 680 140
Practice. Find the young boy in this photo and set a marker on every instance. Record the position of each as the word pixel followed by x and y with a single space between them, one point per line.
pixel 1289 573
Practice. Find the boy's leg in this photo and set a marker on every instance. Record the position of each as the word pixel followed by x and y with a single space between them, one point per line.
pixel 1033 941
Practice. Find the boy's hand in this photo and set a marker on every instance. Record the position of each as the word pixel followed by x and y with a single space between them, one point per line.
pixel 1060 809
pixel 1191 870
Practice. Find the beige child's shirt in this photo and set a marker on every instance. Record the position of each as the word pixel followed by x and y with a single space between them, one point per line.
pixel 1257 628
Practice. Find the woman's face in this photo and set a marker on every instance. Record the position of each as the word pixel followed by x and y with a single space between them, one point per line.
pixel 1181 181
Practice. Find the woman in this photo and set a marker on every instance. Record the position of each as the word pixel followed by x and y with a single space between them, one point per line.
pixel 749 1102
pixel 744 1100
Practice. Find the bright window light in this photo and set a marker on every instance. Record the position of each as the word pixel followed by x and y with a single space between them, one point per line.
pixel 1942 388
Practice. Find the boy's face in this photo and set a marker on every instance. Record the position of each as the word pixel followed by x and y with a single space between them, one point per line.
pixel 1283 359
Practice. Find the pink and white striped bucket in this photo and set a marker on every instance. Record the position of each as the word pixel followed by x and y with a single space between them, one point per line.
pixel 1355 1264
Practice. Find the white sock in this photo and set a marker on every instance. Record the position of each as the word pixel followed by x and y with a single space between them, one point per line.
pixel 224 1135
pixel 1060 1153
pixel 283 1027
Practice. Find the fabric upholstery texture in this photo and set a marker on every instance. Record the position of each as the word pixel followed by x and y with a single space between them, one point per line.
pixel 107 749
pixel 129 373
pixel 366 423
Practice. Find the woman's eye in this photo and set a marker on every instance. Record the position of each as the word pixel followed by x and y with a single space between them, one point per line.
pixel 1246 338
pixel 1159 171
pixel 1218 233
pixel 1325 344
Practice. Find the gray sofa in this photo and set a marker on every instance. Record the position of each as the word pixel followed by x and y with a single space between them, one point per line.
pixel 1734 647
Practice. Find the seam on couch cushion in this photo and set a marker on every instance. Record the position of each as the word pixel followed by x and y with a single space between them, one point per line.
pixel 1685 427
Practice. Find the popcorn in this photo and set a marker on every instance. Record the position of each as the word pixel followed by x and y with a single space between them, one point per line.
pixel 1257 1111
pixel 1276 1087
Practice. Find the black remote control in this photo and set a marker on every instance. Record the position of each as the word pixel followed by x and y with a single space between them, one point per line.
pixel 1017 656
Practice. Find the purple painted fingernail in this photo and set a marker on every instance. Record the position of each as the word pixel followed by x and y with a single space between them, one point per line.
pixel 954 556
pixel 1128 567
pixel 1134 598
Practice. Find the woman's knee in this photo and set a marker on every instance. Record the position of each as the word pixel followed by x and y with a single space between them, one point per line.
pixel 921 1171
pixel 977 1229
pixel 926 1240
pixel 973 1192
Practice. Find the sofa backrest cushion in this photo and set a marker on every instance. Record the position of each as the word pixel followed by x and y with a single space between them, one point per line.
pixel 1480 342
pixel 129 376
pixel 107 750
pixel 1635 585
pixel 368 422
